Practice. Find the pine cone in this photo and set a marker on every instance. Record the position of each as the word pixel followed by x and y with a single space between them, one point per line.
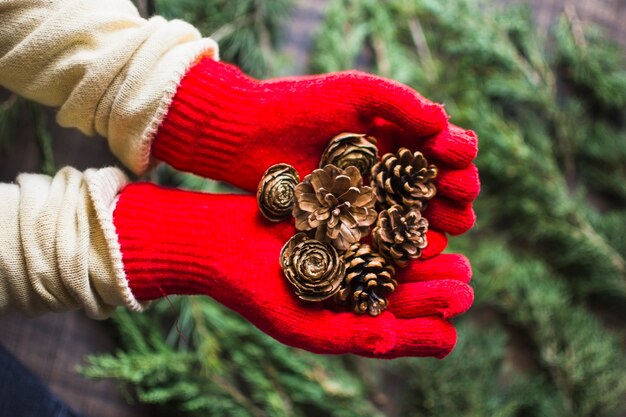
pixel 400 234
pixel 275 194
pixel 404 179
pixel 351 149
pixel 335 204
pixel 368 282
pixel 313 267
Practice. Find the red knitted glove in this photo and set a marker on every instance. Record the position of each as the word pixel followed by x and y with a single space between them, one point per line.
pixel 181 242
pixel 224 125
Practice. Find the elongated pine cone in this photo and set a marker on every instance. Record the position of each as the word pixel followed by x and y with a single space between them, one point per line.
pixel 351 149
pixel 404 178
pixel 400 234
pixel 368 280
pixel 314 268
pixel 275 194
pixel 335 204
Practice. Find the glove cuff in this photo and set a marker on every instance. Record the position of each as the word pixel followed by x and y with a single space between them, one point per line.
pixel 208 119
pixel 163 239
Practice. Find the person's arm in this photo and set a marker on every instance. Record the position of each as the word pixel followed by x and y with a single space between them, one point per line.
pixel 108 70
pixel 58 247
pixel 154 88
pixel 89 240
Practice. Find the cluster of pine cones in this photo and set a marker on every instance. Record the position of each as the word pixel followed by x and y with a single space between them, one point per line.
pixel 333 211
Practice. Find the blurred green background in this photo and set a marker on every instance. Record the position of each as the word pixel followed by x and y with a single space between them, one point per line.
pixel 547 333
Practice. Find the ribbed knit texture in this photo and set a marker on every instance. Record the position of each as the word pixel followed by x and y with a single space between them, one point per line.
pixel 59 248
pixel 227 126
pixel 453 147
pixel 179 242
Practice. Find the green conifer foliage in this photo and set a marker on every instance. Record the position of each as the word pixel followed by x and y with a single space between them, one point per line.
pixel 212 363
pixel 15 110
pixel 246 30
pixel 549 239
pixel 546 335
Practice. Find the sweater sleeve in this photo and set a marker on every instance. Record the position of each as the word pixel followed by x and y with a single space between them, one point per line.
pixel 59 246
pixel 108 70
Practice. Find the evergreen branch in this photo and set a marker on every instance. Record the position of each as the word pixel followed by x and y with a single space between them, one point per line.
pixel 279 389
pixel 257 376
pixel 230 28
pixel 618 261
pixel 421 44
pixel 10 111
pixel 209 349
pixel 44 140
pixel 382 57
pixel 7 104
pixel 238 396
pixel 265 37
pixel 577 30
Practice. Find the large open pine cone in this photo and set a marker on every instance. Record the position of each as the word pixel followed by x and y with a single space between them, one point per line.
pixel 404 178
pixel 351 149
pixel 313 267
pixel 368 280
pixel 400 234
pixel 335 204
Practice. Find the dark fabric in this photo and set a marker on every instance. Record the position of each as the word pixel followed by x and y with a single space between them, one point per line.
pixel 22 394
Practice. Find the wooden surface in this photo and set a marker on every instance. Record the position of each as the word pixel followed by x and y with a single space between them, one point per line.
pixel 52 346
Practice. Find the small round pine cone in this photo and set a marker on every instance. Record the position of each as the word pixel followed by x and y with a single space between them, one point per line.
pixel 335 204
pixel 275 194
pixel 400 234
pixel 351 149
pixel 368 280
pixel 404 178
pixel 314 268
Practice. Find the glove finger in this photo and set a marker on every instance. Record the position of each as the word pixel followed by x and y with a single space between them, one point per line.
pixel 444 266
pixel 453 147
pixel 397 103
pixel 460 185
pixel 447 298
pixel 444 215
pixel 437 243
pixel 312 327
pixel 421 337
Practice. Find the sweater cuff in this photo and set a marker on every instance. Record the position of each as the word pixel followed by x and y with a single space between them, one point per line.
pixel 135 150
pixel 62 252
pixel 106 268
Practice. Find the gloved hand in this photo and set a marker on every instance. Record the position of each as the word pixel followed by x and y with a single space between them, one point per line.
pixel 227 126
pixel 182 242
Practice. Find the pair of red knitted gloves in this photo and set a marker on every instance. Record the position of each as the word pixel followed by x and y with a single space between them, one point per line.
pixel 227 126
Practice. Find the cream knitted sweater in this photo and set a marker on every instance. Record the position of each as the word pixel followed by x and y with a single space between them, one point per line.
pixel 110 72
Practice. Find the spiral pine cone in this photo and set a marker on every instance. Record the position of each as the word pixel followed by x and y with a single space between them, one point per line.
pixel 368 280
pixel 351 149
pixel 275 194
pixel 404 178
pixel 314 268
pixel 400 234
pixel 335 204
